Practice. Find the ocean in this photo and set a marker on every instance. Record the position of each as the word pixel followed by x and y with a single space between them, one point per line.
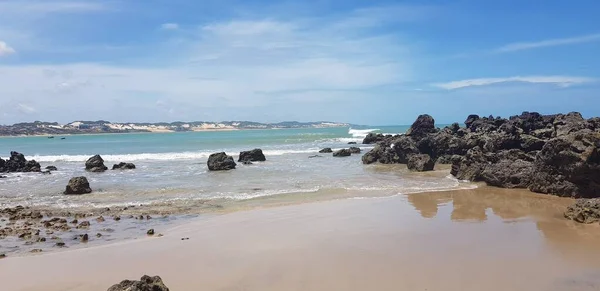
pixel 171 169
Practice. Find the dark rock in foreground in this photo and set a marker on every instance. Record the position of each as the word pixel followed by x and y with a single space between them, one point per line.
pixel 220 162
pixel 255 155
pixel 584 211
pixel 146 283
pixel 326 150
pixel 555 154
pixel 420 163
pixel 78 185
pixel 342 153
pixel 18 163
pixel 123 166
pixel 95 164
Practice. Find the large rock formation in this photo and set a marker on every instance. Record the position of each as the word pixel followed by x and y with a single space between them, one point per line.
pixel 220 162
pixel 554 154
pixel 146 283
pixel 95 164
pixel 78 186
pixel 123 166
pixel 18 163
pixel 255 155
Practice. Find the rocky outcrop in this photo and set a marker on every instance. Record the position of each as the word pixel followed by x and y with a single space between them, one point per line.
pixel 78 186
pixel 255 155
pixel 420 163
pixel 342 153
pixel 584 211
pixel 18 163
pixel 354 150
pixel 95 164
pixel 220 162
pixel 326 151
pixel 123 166
pixel 146 283
pixel 554 154
pixel 51 168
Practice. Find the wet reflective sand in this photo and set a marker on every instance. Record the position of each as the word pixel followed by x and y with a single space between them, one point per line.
pixel 481 239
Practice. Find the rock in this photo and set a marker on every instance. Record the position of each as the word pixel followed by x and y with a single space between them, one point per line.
pixel 95 164
pixel 420 163
pixel 146 283
pixel 342 153
pixel 77 186
pixel 36 251
pixel 84 224
pixel 354 150
pixel 584 211
pixel 255 155
pixel 2 256
pixel 100 219
pixel 220 162
pixel 372 138
pixel 150 231
pixel 51 168
pixel 123 166
pixel 424 124
pixel 394 151
pixel 2 177
pixel 352 142
pixel 85 238
pixel 326 150
pixel 60 244
pixel 18 163
pixel 314 156
pixel 98 235
pixel 247 163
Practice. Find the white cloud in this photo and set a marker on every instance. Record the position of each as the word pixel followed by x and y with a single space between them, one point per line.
pixel 561 81
pixel 169 26
pixel 22 7
pixel 5 49
pixel 519 46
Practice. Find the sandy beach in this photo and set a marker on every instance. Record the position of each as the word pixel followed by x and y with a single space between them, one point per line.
pixel 480 239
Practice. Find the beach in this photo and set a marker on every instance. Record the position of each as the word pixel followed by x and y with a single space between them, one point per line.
pixel 479 239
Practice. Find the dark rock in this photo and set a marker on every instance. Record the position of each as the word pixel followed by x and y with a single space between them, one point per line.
pixel 60 244
pixel 255 155
pixel 85 238
pixel 354 150
pixel 326 150
pixel 123 166
pixel 220 162
pixel 314 156
pixel 150 231
pixel 95 164
pixel 372 138
pixel 394 151
pixel 146 283
pixel 352 142
pixel 584 211
pixel 420 163
pixel 78 185
pixel 18 163
pixel 51 168
pixel 425 124
pixel 84 224
pixel 342 153
pixel 247 163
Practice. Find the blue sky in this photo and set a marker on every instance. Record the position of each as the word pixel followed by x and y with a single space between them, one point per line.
pixel 366 62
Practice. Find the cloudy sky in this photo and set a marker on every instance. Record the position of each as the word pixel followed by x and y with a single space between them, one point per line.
pixel 367 62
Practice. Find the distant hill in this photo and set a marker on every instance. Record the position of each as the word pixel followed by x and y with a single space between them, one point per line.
pixel 103 126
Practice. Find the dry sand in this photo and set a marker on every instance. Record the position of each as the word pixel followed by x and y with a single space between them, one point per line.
pixel 481 239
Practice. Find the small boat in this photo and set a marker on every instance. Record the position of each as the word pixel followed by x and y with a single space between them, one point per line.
pixel 63 138
pixel 50 137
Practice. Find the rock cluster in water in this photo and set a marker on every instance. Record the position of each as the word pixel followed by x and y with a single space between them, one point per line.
pixel 146 283
pixel 554 154
pixel 255 155
pixel 18 163
pixel 123 166
pixel 95 164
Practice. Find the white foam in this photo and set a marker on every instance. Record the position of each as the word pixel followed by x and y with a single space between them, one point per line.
pixel 361 133
pixel 155 156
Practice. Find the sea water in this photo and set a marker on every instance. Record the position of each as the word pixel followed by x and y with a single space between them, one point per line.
pixel 171 168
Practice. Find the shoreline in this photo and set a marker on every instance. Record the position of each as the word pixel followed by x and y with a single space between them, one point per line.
pixel 396 243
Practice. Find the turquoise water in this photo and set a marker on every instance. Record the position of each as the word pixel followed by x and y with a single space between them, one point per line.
pixel 171 167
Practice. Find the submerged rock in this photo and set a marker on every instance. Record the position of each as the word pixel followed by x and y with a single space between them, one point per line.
pixel 584 211
pixel 420 163
pixel 354 150
pixel 220 162
pixel 123 166
pixel 51 168
pixel 342 153
pixel 95 164
pixel 326 150
pixel 255 155
pixel 78 185
pixel 146 283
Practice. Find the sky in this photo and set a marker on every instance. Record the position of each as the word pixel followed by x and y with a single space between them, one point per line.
pixel 363 62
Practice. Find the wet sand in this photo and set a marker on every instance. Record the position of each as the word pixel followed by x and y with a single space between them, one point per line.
pixel 480 239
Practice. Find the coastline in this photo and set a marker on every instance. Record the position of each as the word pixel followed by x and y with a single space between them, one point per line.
pixel 394 243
